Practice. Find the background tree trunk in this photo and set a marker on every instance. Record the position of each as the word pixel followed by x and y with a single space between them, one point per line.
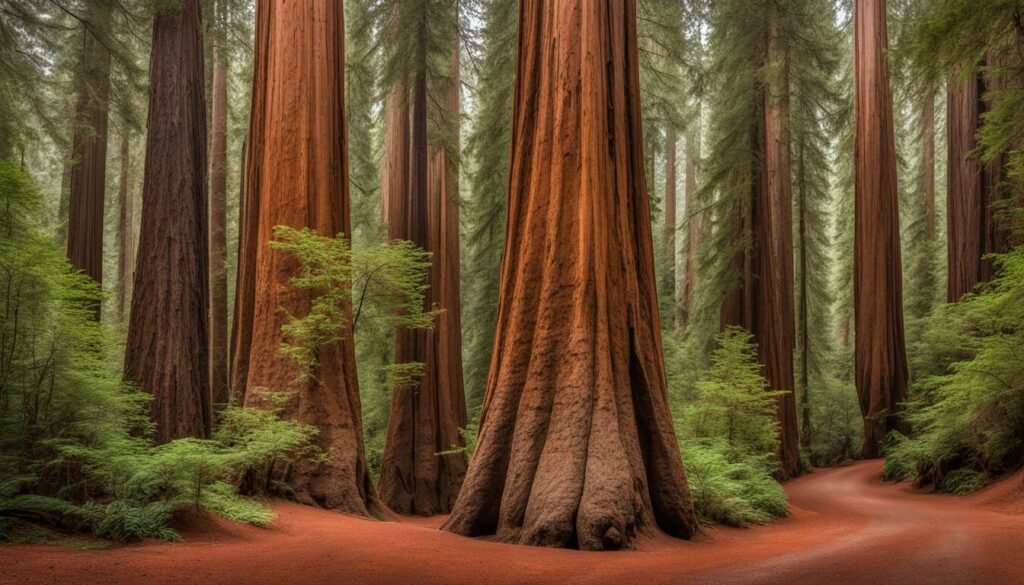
pixel 928 162
pixel 671 219
pixel 89 146
pixel 218 235
pixel 695 223
pixel 880 362
pixel 966 202
pixel 577 383
pixel 297 175
pixel 426 415
pixel 125 230
pixel 167 349
pixel 394 168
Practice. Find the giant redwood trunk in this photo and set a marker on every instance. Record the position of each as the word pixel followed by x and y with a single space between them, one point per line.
pixel 296 174
pixel 89 147
pixel 427 413
pixel 880 362
pixel 167 351
pixel 218 235
pixel 394 168
pixel 576 444
pixel 762 303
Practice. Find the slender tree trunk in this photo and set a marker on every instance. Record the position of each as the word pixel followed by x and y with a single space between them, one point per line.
pixel 64 203
pixel 218 236
pixel 880 356
pixel 807 431
pixel 695 224
pixel 125 230
pixel 297 175
pixel 426 415
pixel 167 349
pixel 89 147
pixel 576 442
pixel 394 169
pixel 928 161
pixel 671 220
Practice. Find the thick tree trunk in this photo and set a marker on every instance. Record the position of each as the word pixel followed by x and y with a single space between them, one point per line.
pixel 671 220
pixel 576 444
pixel 880 362
pixel 394 168
pixel 89 147
pixel 426 415
pixel 762 303
pixel 167 349
pixel 297 175
pixel 218 236
pixel 695 224
pixel 125 230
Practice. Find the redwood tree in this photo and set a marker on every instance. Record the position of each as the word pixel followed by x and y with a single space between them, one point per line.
pixel 125 229
pixel 576 443
pixel 880 362
pixel 218 222
pixel 426 412
pixel 89 145
pixel 296 174
pixel 167 348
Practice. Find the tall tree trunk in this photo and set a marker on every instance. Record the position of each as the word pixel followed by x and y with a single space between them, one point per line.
pixel 394 168
pixel 806 429
pixel 928 161
pixel 297 175
pixel 426 414
pixel 576 442
pixel 89 147
pixel 695 223
pixel 125 230
pixel 167 349
pixel 671 220
pixel 218 236
pixel 763 301
pixel 880 355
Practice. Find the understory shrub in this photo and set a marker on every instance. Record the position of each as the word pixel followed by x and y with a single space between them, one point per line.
pixel 966 409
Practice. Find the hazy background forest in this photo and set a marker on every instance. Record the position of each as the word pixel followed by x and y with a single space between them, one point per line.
pixel 759 391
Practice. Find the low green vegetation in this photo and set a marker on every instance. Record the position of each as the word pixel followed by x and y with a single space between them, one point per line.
pixel 967 401
pixel 728 437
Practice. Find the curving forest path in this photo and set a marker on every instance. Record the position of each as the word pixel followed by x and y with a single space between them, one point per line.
pixel 846 526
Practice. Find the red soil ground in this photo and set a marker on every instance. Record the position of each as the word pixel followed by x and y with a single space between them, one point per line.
pixel 846 526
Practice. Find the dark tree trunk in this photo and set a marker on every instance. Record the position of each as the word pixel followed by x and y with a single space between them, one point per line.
pixel 426 415
pixel 576 444
pixel 762 303
pixel 89 147
pixel 218 236
pixel 125 230
pixel 167 348
pixel 297 175
pixel 880 356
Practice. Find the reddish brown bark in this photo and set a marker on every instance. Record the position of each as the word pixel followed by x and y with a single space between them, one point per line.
pixel 671 220
pixel 762 302
pixel 167 348
pixel 394 168
pixel 218 236
pixel 880 361
pixel 427 414
pixel 928 162
pixel 576 444
pixel 89 147
pixel 125 230
pixel 297 175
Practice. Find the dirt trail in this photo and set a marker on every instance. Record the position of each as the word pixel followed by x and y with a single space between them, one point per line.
pixel 846 527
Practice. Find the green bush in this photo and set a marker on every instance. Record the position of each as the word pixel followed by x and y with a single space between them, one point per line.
pixel 729 437
pixel 967 403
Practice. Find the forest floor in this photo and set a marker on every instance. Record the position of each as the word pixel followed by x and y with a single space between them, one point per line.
pixel 846 527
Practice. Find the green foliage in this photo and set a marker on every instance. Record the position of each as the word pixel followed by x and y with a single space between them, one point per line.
pixel 967 403
pixel 729 436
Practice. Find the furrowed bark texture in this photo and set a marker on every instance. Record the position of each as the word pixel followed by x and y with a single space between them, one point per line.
pixel 880 355
pixel 394 168
pixel 218 236
pixel 763 302
pixel 167 351
pixel 297 175
pixel 427 414
pixel 89 148
pixel 576 444
pixel 125 230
